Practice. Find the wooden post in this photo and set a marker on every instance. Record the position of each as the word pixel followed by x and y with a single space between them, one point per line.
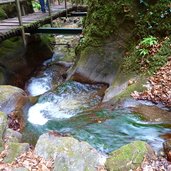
pixel 22 9
pixel 66 8
pixel 50 13
pixel 20 22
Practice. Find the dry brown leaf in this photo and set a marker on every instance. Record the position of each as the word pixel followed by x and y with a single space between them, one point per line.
pixel 159 87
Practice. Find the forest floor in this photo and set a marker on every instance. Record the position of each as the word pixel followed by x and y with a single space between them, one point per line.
pixel 158 87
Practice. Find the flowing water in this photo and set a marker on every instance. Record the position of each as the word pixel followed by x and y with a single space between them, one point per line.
pixel 67 100
pixel 104 129
pixel 69 109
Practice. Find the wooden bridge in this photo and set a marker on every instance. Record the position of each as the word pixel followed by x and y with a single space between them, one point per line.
pixel 26 24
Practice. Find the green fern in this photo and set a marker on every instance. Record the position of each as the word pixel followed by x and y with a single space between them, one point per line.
pixel 149 41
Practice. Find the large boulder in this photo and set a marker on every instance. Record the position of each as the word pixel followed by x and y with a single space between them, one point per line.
pixel 68 153
pixel 101 50
pixel 10 97
pixel 97 65
pixel 129 156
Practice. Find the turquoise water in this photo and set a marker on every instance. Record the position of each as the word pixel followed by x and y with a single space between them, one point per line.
pixel 66 101
pixel 69 109
pixel 105 130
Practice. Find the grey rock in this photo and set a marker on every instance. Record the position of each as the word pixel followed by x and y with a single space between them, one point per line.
pixel 12 136
pixel 14 150
pixel 113 91
pixel 153 113
pixel 98 64
pixel 9 97
pixel 69 154
pixel 130 156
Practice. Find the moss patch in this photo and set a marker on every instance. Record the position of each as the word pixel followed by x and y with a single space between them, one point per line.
pixel 3 15
pixel 14 150
pixel 47 39
pixel 138 86
pixel 132 62
pixel 10 46
pixel 129 156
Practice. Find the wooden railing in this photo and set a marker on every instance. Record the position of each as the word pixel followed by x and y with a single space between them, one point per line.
pixel 9 1
pixel 21 11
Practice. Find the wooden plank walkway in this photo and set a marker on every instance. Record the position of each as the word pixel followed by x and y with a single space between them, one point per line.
pixel 9 1
pixel 10 27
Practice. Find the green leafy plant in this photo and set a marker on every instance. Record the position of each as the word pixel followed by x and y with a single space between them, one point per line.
pixel 146 45
pixel 149 41
pixel 143 52
pixel 148 58
pixel 36 5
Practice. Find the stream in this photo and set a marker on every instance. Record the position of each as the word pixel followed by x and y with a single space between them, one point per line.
pixel 69 108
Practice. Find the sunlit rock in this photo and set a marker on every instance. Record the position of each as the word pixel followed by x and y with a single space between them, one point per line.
pixel 10 97
pixel 130 156
pixel 68 153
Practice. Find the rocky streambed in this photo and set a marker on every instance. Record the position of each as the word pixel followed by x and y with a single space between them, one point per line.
pixel 57 124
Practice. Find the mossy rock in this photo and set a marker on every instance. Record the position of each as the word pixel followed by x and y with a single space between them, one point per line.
pixel 12 136
pixel 153 113
pixel 14 150
pixel 129 156
pixel 98 64
pixel 123 86
pixel 68 153
pixel 9 97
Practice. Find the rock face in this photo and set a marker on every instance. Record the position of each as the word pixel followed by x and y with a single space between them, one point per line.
pixel 98 64
pixel 129 156
pixel 103 46
pixel 68 153
pixel 17 62
pixel 3 125
pixel 153 113
pixel 97 68
pixel 9 98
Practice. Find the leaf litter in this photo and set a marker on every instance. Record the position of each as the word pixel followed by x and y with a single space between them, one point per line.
pixel 28 160
pixel 158 87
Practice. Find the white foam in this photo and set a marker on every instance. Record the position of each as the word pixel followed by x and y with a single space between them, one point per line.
pixel 35 115
pixel 62 105
pixel 42 112
pixel 38 86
